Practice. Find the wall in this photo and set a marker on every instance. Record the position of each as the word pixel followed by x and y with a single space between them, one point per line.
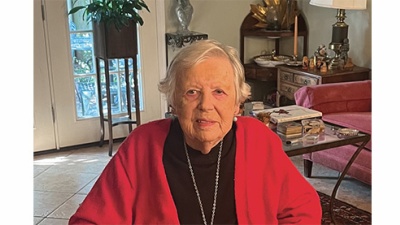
pixel 221 20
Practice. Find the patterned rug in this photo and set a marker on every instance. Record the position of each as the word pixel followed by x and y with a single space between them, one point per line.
pixel 344 213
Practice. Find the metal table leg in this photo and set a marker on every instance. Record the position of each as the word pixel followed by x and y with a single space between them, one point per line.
pixel 343 174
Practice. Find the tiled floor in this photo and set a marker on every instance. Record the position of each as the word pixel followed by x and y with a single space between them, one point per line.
pixel 62 180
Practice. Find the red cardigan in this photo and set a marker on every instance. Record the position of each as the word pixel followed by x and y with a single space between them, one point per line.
pixel 133 188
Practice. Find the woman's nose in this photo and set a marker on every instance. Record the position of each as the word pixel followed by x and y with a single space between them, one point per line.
pixel 206 101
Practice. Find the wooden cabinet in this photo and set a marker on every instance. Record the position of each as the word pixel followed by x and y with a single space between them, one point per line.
pixel 290 79
pixel 254 72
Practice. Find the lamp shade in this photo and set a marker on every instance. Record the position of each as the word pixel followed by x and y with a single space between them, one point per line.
pixel 340 4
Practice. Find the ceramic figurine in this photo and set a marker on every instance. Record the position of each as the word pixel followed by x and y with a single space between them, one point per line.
pixel 321 51
pixel 311 63
pixel 344 49
pixel 305 62
pixel 320 55
pixel 324 68
pixel 319 63
pixel 349 63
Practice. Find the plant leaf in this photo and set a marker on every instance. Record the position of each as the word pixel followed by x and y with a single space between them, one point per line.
pixel 117 12
pixel 76 9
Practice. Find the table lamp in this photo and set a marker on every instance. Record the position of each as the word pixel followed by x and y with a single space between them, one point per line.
pixel 340 42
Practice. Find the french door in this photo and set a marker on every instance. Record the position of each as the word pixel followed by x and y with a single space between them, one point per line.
pixel 57 121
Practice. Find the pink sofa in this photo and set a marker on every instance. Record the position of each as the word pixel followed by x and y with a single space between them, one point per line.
pixel 347 104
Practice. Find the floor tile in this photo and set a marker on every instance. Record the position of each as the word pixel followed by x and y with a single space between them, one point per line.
pixel 37 219
pixel 52 221
pixel 85 190
pixel 79 165
pixel 53 155
pixel 66 210
pixel 45 202
pixel 38 169
pixel 60 181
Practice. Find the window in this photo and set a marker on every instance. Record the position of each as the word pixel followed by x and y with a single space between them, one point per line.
pixel 84 72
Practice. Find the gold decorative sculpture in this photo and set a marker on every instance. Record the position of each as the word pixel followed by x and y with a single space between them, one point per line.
pixel 275 14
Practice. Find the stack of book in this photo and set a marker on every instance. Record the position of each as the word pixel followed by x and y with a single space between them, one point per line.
pixel 290 113
pixel 290 129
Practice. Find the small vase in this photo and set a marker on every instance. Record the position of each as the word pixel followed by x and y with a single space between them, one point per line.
pixel 273 18
pixel 184 12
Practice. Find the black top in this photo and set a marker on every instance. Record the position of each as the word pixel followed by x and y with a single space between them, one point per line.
pixel 204 168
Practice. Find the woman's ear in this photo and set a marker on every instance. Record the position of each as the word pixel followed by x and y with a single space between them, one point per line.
pixel 237 110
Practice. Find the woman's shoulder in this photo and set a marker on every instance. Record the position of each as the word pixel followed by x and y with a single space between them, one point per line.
pixel 249 122
pixel 246 125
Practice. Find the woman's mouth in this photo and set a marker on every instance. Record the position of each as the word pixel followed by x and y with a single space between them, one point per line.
pixel 205 122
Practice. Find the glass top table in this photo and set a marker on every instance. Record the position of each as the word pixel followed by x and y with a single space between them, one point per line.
pixel 329 140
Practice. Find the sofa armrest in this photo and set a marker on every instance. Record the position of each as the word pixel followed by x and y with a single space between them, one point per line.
pixel 352 96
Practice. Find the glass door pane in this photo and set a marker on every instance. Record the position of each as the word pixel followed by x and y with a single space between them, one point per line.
pixel 81 41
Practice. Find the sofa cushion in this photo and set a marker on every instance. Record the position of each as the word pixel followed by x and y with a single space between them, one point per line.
pixel 356 120
pixel 336 97
pixel 337 159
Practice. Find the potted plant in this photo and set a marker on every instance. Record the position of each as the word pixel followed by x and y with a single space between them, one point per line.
pixel 114 25
pixel 114 37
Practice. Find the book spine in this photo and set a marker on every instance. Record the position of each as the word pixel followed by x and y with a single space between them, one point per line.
pixel 288 119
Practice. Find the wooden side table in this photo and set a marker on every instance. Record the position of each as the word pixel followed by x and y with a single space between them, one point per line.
pixel 121 119
pixel 290 79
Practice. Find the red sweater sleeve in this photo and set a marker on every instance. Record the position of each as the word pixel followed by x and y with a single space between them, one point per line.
pixel 269 188
pixel 110 200
pixel 133 188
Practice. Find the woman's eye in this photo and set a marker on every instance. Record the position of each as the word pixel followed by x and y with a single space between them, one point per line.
pixel 218 91
pixel 191 92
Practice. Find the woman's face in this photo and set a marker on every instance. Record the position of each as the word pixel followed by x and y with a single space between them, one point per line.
pixel 206 102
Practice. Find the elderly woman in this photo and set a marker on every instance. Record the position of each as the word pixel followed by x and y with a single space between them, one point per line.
pixel 204 165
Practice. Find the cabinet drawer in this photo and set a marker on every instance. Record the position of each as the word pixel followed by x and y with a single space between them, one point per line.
pixel 266 74
pixel 286 76
pixel 288 90
pixel 253 71
pixel 250 73
pixel 304 80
